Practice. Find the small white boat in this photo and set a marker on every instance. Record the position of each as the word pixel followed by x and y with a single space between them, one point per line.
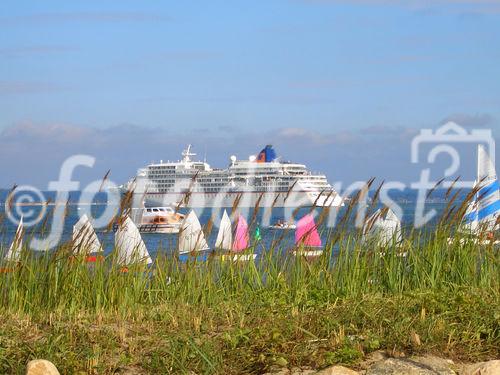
pixel 283 225
pixel 129 244
pixel 237 257
pixel 307 253
pixel 160 220
pixel 474 241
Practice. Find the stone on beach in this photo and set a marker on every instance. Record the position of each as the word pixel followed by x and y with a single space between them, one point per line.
pixel 41 367
pixel 378 363
pixel 337 370
pixel 483 368
pixel 415 366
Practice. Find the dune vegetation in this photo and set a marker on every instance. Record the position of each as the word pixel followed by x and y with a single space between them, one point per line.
pixel 425 295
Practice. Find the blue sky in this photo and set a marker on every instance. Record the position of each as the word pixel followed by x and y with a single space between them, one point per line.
pixel 339 85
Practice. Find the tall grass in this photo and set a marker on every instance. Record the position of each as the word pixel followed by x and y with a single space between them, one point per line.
pixel 54 281
pixel 223 317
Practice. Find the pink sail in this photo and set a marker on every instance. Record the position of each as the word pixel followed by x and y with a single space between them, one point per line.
pixel 241 238
pixel 306 233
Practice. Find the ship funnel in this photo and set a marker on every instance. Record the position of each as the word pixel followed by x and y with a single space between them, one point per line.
pixel 267 155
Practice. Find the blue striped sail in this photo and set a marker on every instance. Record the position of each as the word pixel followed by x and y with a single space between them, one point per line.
pixel 486 208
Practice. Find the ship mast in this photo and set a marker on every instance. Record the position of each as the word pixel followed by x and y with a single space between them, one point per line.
pixel 186 154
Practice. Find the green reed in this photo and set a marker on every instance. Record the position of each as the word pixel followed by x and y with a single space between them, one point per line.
pixel 56 281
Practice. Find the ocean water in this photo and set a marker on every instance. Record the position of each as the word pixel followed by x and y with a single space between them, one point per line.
pixel 167 243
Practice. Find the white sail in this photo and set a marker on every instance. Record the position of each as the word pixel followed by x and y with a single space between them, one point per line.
pixel 129 244
pixel 386 229
pixel 191 237
pixel 488 195
pixel 225 235
pixel 482 212
pixel 485 167
pixel 14 252
pixel 85 240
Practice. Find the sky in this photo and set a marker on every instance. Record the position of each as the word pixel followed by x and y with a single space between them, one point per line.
pixel 342 86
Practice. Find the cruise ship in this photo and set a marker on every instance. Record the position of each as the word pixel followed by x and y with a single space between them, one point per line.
pixel 262 179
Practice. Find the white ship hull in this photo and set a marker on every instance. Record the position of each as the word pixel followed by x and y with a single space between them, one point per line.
pixel 246 199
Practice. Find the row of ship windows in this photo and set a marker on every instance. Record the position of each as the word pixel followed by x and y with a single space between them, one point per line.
pixel 271 183
pixel 220 178
pixel 213 190
pixel 213 175
pixel 167 182
pixel 225 172
pixel 161 172
pixel 272 169
pixel 281 181
pixel 281 184
pixel 256 173
pixel 219 181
